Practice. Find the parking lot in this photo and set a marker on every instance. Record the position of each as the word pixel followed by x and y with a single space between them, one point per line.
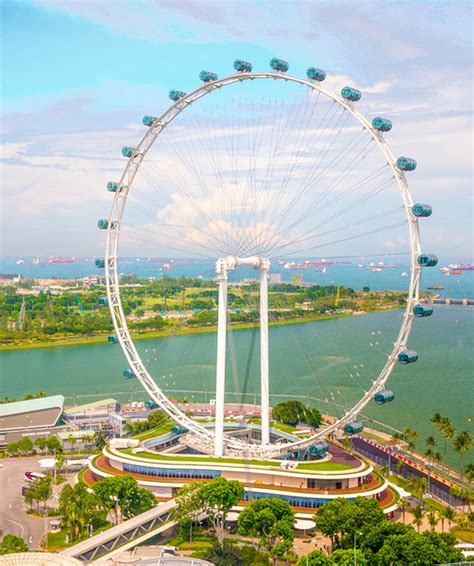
pixel 13 517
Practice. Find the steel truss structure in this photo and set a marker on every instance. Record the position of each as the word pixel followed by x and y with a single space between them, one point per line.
pixel 112 276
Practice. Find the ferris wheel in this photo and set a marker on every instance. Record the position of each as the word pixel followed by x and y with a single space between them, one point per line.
pixel 256 171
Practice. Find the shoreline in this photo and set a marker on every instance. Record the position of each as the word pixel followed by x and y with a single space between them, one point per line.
pixel 101 338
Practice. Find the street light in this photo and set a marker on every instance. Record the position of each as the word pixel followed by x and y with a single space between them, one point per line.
pixel 355 546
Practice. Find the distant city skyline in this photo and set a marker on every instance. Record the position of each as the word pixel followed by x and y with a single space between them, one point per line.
pixel 79 76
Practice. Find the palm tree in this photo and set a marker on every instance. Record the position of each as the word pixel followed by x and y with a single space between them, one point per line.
pixel 436 419
pixel 72 440
pixel 462 443
pixel 447 430
pixel 399 466
pixel 418 515
pixel 430 441
pixel 385 470
pixel 403 504
pixel 448 514
pixel 432 520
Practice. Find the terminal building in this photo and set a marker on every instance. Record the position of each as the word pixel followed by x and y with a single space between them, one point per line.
pixel 33 418
pixel 168 461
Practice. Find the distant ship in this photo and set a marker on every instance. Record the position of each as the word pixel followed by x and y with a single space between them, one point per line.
pixel 404 274
pixel 436 287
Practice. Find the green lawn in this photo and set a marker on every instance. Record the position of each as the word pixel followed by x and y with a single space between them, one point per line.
pixel 464 534
pixel 164 428
pixel 317 466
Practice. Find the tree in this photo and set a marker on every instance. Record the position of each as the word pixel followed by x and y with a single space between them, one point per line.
pixel 25 445
pixel 217 498
pixel 340 519
pixel 11 544
pixel 39 490
pixel 271 520
pixel 231 555
pixel 348 557
pixel 432 520
pixel 72 440
pixel 99 440
pixel 448 514
pixel 462 443
pixel 374 537
pixel 403 504
pixel 418 515
pixel 41 444
pixel 79 508
pixel 419 549
pixel 419 487
pixel 188 506
pixel 469 471
pixel 315 558
pixel 54 444
pixel 430 441
pixel 293 412
pixel 131 499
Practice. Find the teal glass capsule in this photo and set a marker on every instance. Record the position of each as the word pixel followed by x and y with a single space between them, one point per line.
pixel 406 164
pixel 112 339
pixel 112 186
pixel 385 396
pixel 242 66
pixel 279 65
pixel 427 260
pixel 150 404
pixel 176 95
pixel 128 151
pixel 421 210
pixel 103 224
pixel 100 263
pixel 420 311
pixel 149 120
pixel 351 94
pixel 207 76
pixel 316 74
pixel 102 301
pixel 128 373
pixel 353 427
pixel 382 124
pixel 407 357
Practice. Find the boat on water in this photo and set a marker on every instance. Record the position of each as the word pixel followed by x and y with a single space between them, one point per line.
pixel 436 287
pixel 404 274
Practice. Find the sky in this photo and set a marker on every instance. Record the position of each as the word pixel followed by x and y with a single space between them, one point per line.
pixel 77 77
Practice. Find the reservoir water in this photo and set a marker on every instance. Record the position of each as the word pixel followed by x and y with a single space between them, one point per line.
pixel 328 362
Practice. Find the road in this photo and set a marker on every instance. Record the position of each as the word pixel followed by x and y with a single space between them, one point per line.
pixel 13 517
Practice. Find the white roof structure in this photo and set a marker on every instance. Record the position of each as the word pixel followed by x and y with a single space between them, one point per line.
pixel 37 559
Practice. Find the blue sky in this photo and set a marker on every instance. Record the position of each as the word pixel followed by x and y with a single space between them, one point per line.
pixel 78 76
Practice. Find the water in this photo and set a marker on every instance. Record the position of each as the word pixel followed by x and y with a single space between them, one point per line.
pixel 456 286
pixel 314 359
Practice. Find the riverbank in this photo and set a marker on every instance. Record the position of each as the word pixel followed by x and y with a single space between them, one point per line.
pixel 173 331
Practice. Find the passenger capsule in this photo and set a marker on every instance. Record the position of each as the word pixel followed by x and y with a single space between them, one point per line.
pixel 112 187
pixel 112 339
pixel 351 94
pixel 316 74
pixel 427 260
pixel 385 396
pixel 422 210
pixel 150 404
pixel 353 427
pixel 279 65
pixel 176 95
pixel 406 164
pixel 382 124
pixel 207 76
pixel 149 120
pixel 100 263
pixel 102 301
pixel 407 357
pixel 128 151
pixel 242 66
pixel 319 448
pixel 420 311
pixel 103 224
pixel 128 373
pixel 178 429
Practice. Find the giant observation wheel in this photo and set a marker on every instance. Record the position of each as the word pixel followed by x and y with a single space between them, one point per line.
pixel 248 191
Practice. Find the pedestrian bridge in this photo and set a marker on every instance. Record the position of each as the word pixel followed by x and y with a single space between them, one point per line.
pixel 148 524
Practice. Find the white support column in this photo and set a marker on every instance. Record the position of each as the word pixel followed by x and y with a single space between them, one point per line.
pixel 221 269
pixel 264 380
